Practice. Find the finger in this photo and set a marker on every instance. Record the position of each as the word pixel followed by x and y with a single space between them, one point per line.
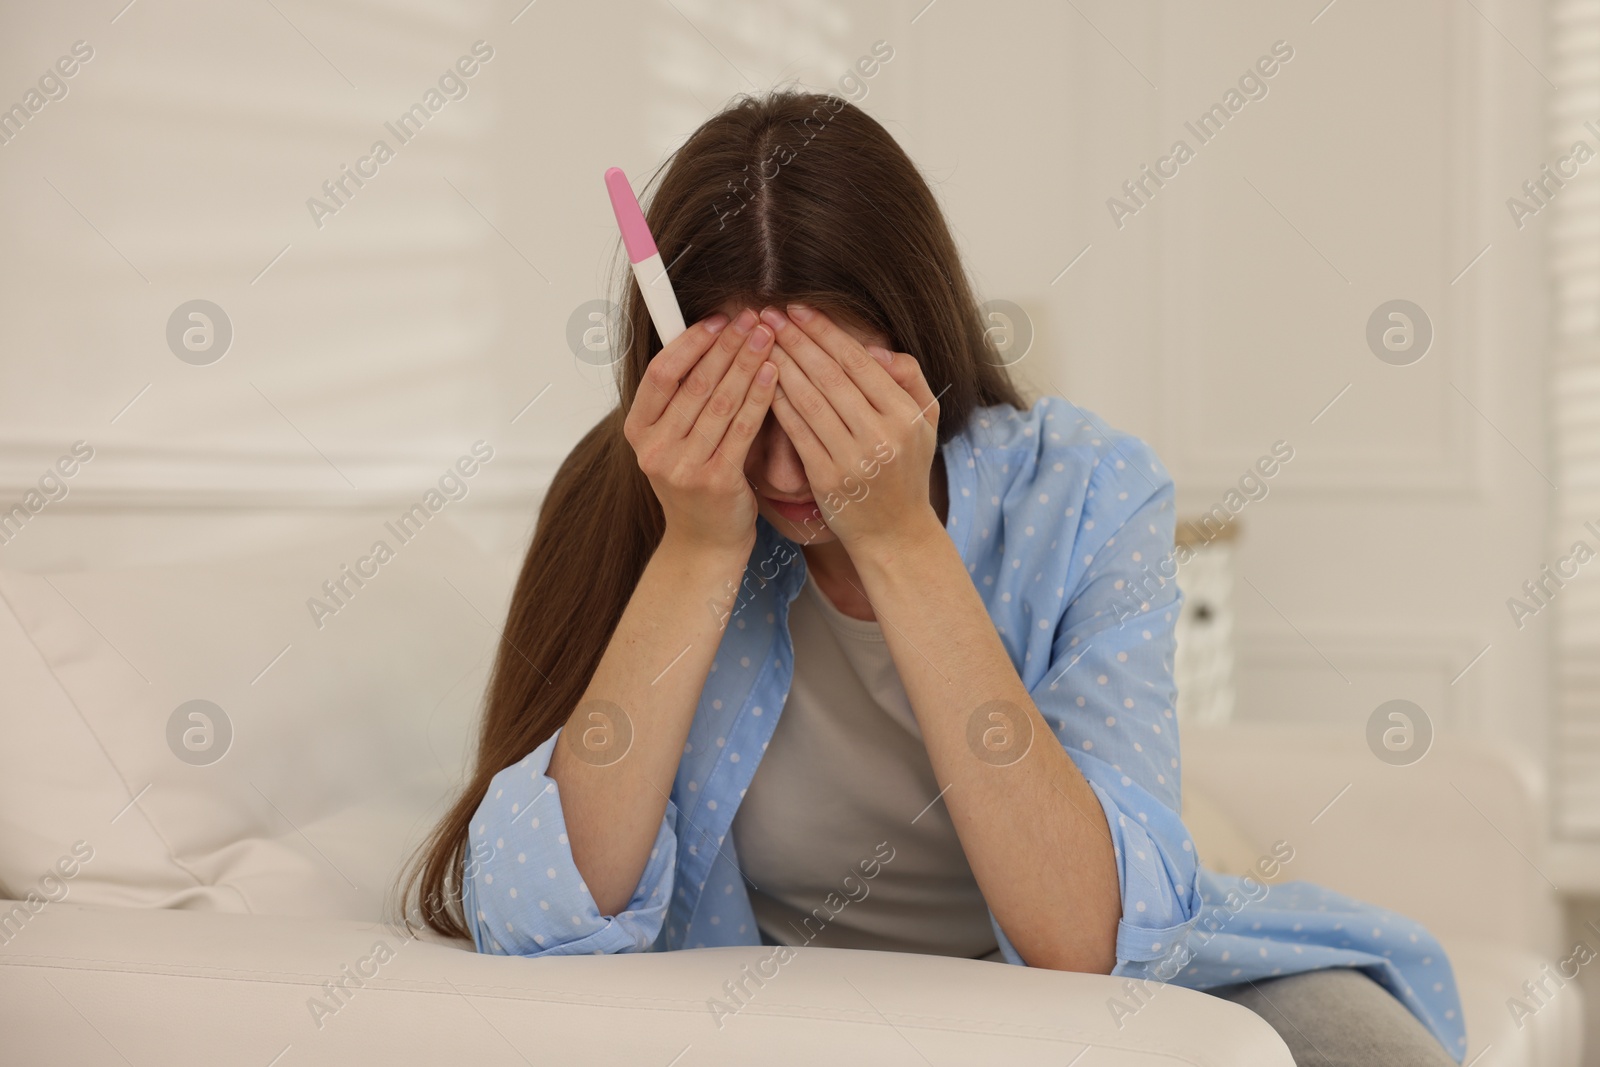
pixel 725 402
pixel 747 422
pixel 833 381
pixel 868 374
pixel 813 454
pixel 907 373
pixel 667 368
pixel 699 385
pixel 813 408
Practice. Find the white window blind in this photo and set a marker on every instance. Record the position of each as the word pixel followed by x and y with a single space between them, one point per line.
pixel 1574 254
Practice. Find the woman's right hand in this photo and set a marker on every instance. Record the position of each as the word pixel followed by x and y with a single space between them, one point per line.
pixel 700 405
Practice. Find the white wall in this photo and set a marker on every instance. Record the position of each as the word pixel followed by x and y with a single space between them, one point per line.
pixel 1220 318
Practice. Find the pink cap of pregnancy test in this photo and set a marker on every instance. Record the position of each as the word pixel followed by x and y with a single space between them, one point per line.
pixel 630 220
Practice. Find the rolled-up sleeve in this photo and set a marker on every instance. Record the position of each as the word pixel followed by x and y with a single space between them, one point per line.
pixel 1110 697
pixel 522 893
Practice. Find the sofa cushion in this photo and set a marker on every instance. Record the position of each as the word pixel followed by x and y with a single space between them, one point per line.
pixel 1490 977
pixel 349 731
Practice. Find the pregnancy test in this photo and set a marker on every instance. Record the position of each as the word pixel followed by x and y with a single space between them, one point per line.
pixel 648 270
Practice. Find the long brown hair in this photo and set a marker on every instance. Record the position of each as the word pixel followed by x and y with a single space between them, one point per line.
pixel 784 197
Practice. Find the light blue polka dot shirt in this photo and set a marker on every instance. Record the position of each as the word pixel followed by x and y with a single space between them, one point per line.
pixel 1064 525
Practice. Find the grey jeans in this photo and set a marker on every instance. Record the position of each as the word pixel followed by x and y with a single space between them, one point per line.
pixel 1338 1017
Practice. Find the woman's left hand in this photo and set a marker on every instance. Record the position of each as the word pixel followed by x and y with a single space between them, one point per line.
pixel 866 430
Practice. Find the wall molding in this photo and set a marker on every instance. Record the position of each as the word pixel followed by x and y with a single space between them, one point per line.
pixel 154 477
pixel 1451 466
pixel 1434 651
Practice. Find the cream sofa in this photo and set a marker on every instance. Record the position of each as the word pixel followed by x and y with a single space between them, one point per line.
pixel 188 907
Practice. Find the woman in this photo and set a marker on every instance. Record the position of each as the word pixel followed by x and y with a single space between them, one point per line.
pixel 826 636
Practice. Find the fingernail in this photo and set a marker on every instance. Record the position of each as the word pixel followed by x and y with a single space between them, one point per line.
pixel 716 322
pixel 800 313
pixel 744 322
pixel 766 373
pixel 883 355
pixel 760 339
pixel 773 317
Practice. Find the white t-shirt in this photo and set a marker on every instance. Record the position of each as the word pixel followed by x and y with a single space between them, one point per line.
pixel 845 787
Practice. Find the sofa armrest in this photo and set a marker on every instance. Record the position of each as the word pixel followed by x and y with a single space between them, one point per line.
pixel 90 985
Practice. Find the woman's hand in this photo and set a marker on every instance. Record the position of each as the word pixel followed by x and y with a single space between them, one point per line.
pixel 700 405
pixel 866 427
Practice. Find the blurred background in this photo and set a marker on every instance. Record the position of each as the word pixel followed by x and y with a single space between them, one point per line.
pixel 1382 257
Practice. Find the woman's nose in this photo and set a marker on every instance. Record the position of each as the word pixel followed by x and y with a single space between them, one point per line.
pixel 786 473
